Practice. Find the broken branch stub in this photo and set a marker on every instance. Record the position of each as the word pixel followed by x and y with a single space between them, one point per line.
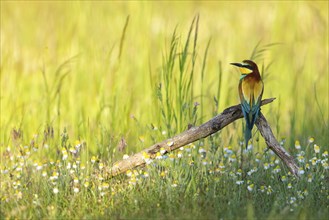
pixel 196 133
pixel 274 145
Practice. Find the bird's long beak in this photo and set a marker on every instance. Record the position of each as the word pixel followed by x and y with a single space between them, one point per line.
pixel 237 64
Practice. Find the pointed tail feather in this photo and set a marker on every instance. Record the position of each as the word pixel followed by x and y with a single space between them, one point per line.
pixel 247 135
pixel 250 116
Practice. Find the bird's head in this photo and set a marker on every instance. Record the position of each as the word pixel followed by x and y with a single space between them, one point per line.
pixel 246 67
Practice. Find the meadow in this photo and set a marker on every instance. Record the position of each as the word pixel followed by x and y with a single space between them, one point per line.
pixel 84 84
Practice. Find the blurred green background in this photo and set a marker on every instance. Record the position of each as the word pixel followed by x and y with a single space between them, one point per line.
pixel 67 64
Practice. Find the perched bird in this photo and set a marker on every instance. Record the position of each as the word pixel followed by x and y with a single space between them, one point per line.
pixel 251 89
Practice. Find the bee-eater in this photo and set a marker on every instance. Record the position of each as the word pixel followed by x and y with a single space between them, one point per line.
pixel 251 89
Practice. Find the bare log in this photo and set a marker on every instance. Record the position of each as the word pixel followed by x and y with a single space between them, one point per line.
pixel 196 133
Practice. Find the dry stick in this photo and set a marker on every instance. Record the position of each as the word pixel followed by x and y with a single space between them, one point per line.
pixel 195 133
pixel 273 144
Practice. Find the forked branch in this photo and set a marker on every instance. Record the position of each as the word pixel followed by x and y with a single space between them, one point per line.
pixel 195 133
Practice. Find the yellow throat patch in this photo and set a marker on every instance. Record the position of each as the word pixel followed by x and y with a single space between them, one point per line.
pixel 245 70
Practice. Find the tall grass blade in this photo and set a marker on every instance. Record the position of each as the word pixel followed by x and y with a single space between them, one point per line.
pixel 123 36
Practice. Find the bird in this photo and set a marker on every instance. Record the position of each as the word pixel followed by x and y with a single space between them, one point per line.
pixel 251 88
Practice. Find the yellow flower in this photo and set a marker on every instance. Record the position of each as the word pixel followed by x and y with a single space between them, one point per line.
pixel 72 150
pixel 136 173
pixel 316 148
pixel 174 185
pixel 228 150
pixel 305 192
pixel 297 145
pixel 250 187
pixel 101 166
pixel 269 190
pixel 147 158
pixel 146 174
pixel 76 180
pixel 300 158
pixel 171 156
pixel 105 185
pixel 311 140
pixel 133 181
pixel 146 155
pixel 284 178
pixel 129 173
pixel 44 173
pixel 77 144
pixel 64 152
pixel 162 150
pixel 158 156
pixel 39 166
pixel 100 177
pixel 232 158
pixel 54 176
pixel 266 166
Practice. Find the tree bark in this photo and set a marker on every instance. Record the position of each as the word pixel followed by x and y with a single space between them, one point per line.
pixel 195 133
pixel 273 144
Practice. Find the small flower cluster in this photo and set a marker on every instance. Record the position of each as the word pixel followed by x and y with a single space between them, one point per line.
pixel 70 175
pixel 20 167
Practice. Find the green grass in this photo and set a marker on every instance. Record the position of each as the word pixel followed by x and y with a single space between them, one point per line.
pixel 79 79
pixel 186 184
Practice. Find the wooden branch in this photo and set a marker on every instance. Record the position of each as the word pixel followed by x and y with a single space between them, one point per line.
pixel 195 133
pixel 273 144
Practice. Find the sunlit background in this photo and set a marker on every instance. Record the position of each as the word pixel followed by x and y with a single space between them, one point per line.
pixel 93 68
pixel 88 83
